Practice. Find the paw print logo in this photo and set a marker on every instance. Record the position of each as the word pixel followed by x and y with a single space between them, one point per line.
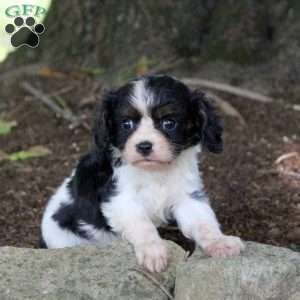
pixel 25 32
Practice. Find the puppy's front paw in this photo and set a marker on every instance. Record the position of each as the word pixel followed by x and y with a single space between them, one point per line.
pixel 152 256
pixel 227 245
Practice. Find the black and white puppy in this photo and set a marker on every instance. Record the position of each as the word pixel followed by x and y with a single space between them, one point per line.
pixel 142 172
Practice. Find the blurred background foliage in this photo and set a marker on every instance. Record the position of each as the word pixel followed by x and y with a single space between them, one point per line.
pixel 128 36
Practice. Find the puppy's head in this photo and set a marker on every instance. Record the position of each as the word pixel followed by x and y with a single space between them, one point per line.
pixel 152 119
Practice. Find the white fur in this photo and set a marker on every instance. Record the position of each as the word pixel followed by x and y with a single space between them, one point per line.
pixel 57 237
pixel 97 237
pixel 155 192
pixel 141 98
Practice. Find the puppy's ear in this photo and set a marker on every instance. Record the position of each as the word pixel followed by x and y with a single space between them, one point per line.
pixel 101 134
pixel 209 123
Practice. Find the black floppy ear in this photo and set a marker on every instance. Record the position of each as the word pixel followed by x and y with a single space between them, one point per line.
pixel 94 169
pixel 211 125
pixel 102 125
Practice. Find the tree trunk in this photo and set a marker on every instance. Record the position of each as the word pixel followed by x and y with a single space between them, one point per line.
pixel 114 33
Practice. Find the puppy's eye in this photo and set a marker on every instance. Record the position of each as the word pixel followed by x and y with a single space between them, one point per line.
pixel 168 124
pixel 128 124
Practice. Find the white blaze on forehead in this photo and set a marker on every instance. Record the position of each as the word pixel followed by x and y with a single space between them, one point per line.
pixel 146 129
pixel 141 98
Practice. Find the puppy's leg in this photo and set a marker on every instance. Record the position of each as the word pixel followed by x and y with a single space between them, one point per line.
pixel 134 225
pixel 150 249
pixel 197 221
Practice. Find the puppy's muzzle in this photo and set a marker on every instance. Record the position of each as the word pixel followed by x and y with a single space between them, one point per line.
pixel 144 148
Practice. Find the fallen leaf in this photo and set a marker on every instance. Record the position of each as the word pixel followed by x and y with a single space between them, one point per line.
pixel 6 126
pixel 142 66
pixel 33 152
pixel 49 72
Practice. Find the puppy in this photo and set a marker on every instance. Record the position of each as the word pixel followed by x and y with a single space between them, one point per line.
pixel 142 172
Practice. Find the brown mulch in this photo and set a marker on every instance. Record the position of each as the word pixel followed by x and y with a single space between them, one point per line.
pixel 251 198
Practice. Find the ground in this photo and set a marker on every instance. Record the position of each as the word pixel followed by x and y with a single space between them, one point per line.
pixel 249 192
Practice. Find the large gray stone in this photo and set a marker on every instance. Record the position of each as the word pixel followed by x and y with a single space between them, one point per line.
pixel 85 273
pixel 262 272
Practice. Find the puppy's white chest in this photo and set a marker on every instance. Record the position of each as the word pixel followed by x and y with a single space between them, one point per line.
pixel 155 197
pixel 157 191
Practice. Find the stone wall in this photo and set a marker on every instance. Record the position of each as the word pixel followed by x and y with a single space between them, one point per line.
pixel 88 273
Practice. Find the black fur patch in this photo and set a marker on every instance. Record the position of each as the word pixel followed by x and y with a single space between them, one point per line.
pixel 116 108
pixel 42 244
pixel 209 124
pixel 197 195
pixel 90 186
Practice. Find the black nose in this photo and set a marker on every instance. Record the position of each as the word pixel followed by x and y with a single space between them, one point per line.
pixel 144 148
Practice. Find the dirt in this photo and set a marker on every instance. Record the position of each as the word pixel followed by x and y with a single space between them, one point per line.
pixel 251 196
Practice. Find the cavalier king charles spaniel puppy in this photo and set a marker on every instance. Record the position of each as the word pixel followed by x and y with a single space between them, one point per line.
pixel 142 172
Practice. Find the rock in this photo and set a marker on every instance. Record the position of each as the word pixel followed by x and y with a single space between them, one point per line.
pixel 84 273
pixel 262 273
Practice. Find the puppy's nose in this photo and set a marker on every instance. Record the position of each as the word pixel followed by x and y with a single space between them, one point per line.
pixel 144 148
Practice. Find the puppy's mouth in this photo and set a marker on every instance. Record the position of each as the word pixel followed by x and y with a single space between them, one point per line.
pixel 149 163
